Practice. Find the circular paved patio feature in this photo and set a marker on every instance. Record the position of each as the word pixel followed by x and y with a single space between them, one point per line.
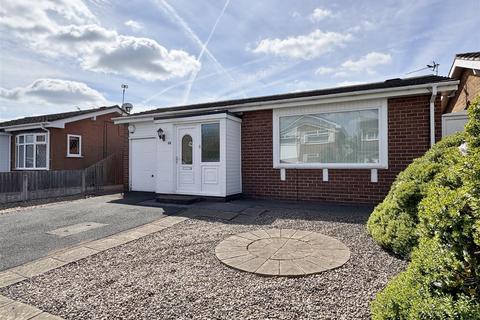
pixel 282 252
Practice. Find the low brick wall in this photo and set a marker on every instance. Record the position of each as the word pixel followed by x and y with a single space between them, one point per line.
pixel 408 138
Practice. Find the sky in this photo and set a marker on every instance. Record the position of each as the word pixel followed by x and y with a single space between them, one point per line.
pixel 64 55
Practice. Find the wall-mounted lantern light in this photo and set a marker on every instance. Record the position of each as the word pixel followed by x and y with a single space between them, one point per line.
pixel 161 134
pixel 131 128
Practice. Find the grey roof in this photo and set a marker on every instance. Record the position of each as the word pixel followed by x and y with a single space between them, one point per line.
pixel 391 83
pixel 468 56
pixel 53 116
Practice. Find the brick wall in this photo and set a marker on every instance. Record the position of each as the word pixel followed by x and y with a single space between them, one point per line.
pixel 468 89
pixel 408 138
pixel 100 138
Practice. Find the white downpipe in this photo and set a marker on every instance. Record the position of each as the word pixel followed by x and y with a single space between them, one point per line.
pixel 432 114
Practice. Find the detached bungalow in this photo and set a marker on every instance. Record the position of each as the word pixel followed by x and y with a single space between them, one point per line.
pixel 344 144
pixel 61 141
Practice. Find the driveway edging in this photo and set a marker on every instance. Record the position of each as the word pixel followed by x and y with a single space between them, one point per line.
pixel 11 309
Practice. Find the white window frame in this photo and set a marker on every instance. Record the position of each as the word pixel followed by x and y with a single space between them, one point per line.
pixel 73 155
pixel 377 104
pixel 35 143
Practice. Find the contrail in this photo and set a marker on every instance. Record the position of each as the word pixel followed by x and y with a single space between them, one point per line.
pixel 194 74
pixel 173 13
pixel 181 83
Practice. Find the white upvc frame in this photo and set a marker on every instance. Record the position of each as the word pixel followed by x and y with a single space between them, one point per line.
pixel 35 143
pixel 73 155
pixel 378 104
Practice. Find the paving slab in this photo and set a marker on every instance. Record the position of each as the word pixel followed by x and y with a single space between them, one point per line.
pixel 4 300
pixel 270 267
pixel 7 278
pixel 282 252
pixel 74 254
pixel 104 244
pixel 150 228
pixel 37 267
pixel 18 311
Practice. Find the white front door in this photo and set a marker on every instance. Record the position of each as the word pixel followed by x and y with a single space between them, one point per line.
pixel 187 159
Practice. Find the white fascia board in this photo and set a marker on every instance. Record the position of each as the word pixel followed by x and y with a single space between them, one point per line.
pixel 338 97
pixel 124 120
pixel 61 123
pixel 201 118
pixel 27 126
pixel 465 64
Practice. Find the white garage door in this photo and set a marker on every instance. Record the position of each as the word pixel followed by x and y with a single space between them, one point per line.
pixel 143 164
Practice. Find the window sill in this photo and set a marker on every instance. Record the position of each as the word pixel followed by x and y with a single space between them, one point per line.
pixel 30 169
pixel 329 166
pixel 73 156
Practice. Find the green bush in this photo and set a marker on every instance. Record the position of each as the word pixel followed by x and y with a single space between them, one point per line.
pixel 418 294
pixel 393 222
pixel 443 279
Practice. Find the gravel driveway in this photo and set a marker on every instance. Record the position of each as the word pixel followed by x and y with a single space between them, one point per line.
pixel 174 274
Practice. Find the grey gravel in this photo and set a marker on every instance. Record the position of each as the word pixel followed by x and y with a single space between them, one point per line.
pixel 174 274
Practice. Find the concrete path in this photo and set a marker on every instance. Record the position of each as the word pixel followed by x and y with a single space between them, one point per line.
pixel 32 233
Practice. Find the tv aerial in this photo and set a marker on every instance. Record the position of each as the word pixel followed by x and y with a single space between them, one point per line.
pixel 433 66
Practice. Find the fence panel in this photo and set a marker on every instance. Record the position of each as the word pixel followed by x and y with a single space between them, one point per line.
pixel 104 176
pixel 11 182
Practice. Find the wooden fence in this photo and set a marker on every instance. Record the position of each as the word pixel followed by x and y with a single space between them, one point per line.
pixel 104 176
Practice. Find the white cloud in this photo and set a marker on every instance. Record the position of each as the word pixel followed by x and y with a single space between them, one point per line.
pixel 134 25
pixel 324 70
pixel 141 57
pixel 320 14
pixel 35 16
pixel 55 92
pixel 305 46
pixel 367 63
pixel 95 47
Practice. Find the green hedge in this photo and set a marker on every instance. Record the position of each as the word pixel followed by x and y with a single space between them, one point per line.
pixel 418 294
pixel 393 223
pixel 443 279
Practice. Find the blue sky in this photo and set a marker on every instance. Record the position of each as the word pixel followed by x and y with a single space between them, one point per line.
pixel 62 54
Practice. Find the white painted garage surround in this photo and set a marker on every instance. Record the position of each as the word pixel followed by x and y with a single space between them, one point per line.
pixel 200 155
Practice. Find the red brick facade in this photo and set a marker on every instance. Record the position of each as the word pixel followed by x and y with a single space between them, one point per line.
pixel 100 138
pixel 408 138
pixel 468 89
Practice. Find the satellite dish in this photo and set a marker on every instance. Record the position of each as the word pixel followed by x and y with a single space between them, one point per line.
pixel 127 107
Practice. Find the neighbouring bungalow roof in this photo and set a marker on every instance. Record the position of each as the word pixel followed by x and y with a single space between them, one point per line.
pixel 53 116
pixel 468 56
pixel 468 60
pixel 391 83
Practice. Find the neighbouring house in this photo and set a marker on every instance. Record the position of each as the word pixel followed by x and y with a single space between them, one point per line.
pixel 61 141
pixel 344 144
pixel 466 68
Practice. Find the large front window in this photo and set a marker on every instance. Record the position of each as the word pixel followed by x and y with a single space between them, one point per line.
pixel 31 151
pixel 333 139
